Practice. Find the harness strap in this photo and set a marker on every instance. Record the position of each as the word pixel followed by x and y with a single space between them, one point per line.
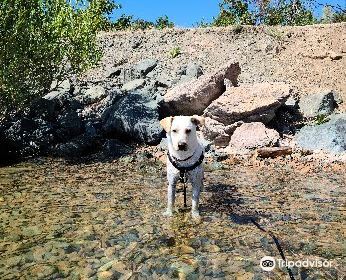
pixel 187 168
pixel 183 171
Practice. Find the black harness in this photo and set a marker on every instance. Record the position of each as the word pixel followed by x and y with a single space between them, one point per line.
pixel 183 170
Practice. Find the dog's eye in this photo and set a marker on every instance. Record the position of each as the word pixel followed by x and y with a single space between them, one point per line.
pixel 188 131
pixel 174 130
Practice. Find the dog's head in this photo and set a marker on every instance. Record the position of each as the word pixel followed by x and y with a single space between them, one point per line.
pixel 181 131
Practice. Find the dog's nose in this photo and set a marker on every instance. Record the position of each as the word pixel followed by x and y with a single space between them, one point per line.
pixel 182 146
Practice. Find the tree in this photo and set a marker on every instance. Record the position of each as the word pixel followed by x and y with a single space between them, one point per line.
pixel 234 12
pixel 46 40
pixel 255 12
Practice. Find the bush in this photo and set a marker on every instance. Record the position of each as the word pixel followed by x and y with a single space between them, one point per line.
pixel 282 12
pixel 46 40
pixel 234 12
pixel 163 22
pixel 128 22
pixel 330 15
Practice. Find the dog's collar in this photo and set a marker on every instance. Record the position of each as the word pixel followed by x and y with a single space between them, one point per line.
pixel 187 168
pixel 185 159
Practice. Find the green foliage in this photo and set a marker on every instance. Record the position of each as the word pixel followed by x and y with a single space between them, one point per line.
pixel 175 52
pixel 45 40
pixel 275 33
pixel 128 22
pixel 123 22
pixel 291 12
pixel 202 23
pixel 331 16
pixel 234 12
pixel 321 119
pixel 254 12
pixel 339 16
pixel 163 22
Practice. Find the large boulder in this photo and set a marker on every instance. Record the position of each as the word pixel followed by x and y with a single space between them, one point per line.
pixel 254 135
pixel 321 103
pixel 94 111
pixel 69 124
pixel 94 94
pixel 249 103
pixel 142 68
pixel 134 117
pixel 59 90
pixel 133 85
pixel 193 96
pixel 25 137
pixel 76 147
pixel 330 136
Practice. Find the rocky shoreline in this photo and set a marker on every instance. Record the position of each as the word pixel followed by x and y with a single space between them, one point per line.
pixel 118 105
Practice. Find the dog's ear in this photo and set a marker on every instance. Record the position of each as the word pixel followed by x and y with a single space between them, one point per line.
pixel 166 123
pixel 198 120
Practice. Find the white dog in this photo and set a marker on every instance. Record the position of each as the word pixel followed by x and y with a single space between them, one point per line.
pixel 185 155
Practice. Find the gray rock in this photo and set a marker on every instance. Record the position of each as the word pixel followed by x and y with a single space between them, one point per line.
pixel 291 102
pixel 133 85
pixel 337 98
pixel 164 80
pixel 94 94
pixel 112 72
pixel 58 89
pixel 330 136
pixel 115 148
pixel 70 124
pixel 142 68
pixel 193 70
pixel 90 129
pixel 78 146
pixel 163 146
pixel 321 103
pixel 135 117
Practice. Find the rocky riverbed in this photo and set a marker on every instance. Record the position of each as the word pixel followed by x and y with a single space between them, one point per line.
pixel 102 220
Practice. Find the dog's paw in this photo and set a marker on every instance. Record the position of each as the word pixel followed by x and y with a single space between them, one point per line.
pixel 195 215
pixel 168 213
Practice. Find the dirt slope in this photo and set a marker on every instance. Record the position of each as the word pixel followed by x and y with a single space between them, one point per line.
pixel 308 57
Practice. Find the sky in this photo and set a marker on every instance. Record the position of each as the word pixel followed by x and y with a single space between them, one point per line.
pixel 184 13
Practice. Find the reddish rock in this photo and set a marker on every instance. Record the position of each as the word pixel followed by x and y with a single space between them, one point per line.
pixel 217 132
pixel 254 135
pixel 249 102
pixel 193 96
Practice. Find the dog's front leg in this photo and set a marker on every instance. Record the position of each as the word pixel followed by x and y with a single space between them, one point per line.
pixel 197 186
pixel 172 182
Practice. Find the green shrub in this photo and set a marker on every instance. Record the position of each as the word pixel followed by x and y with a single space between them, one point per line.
pixel 175 52
pixel 234 12
pixel 128 22
pixel 203 23
pixel 122 23
pixel 46 40
pixel 163 22
pixel 255 12
pixel 332 14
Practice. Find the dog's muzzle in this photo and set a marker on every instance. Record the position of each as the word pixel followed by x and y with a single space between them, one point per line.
pixel 182 146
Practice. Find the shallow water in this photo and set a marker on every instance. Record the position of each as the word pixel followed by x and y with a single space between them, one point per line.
pixel 103 221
